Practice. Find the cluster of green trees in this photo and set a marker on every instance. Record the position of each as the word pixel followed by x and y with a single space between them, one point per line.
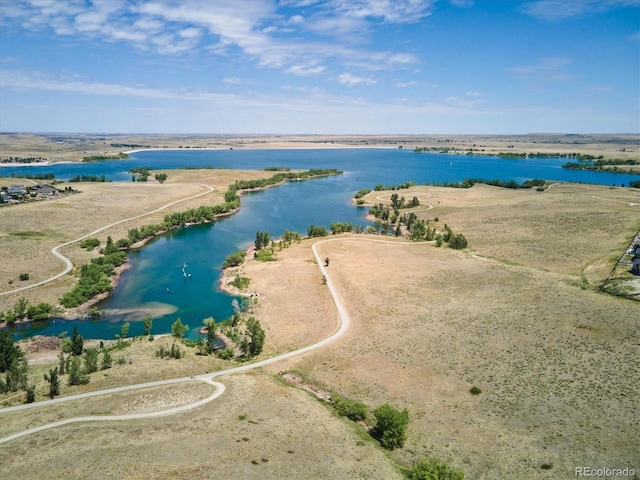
pixel 263 239
pixel 32 176
pixel 241 283
pixel 89 178
pixel 161 177
pixel 361 193
pixel 24 160
pixel 89 243
pixel 316 231
pixel 282 177
pixel 470 182
pixel 173 352
pixel 13 364
pixel 22 310
pixel 140 174
pixel 102 158
pixel 247 334
pixel 234 259
pixel 277 169
pixel 605 165
pixel 400 186
pixel 340 227
pixel 95 276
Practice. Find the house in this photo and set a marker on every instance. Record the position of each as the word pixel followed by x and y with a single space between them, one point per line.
pixel 4 196
pixel 46 190
pixel 16 191
pixel 635 265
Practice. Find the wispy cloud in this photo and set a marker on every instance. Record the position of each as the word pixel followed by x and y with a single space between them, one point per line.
pixel 553 10
pixel 255 29
pixel 405 84
pixel 548 69
pixel 351 80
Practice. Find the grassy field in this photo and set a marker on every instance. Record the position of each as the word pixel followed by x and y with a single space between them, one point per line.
pixel 73 147
pixel 516 314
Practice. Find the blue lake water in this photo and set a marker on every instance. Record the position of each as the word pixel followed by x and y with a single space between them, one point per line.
pixel 156 281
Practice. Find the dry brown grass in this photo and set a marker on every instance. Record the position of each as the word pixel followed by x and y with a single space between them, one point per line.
pixel 556 363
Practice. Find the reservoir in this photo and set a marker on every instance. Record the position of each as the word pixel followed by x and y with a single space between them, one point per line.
pixel 156 284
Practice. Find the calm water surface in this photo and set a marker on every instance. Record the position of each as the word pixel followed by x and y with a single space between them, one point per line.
pixel 156 283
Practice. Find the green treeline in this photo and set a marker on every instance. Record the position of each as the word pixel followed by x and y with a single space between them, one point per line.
pixel 102 158
pixel 95 277
pixel 34 176
pixel 282 177
pixel 89 178
pixel 604 165
pixel 470 182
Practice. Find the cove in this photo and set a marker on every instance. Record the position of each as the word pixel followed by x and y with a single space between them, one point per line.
pixel 155 283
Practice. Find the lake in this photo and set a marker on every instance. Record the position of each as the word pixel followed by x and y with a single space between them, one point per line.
pixel 155 284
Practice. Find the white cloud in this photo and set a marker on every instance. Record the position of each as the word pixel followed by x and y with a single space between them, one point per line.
pixel 554 10
pixel 305 70
pixel 549 69
pixel 351 80
pixel 405 84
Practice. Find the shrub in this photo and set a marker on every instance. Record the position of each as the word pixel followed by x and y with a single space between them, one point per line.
pixel 475 390
pixel 391 425
pixel 352 409
pixel 234 259
pixel 226 353
pixel 240 283
pixel 24 276
pixel 431 469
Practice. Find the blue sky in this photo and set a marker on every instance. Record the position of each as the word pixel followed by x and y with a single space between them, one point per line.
pixel 320 66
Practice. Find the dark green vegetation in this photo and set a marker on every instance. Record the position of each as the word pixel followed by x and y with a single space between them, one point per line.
pixel 33 176
pixel 23 311
pixel 431 469
pixel 103 158
pixel 602 165
pixel 470 182
pixel 89 178
pixel 95 277
pixel 25 160
pixel 234 259
pixel 89 243
pixel 241 283
pixel 13 364
pixel 635 184
pixel 390 427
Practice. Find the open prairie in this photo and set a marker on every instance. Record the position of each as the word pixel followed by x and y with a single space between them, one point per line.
pixel 73 147
pixel 516 314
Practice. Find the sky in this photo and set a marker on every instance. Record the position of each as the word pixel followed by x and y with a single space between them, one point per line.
pixel 320 66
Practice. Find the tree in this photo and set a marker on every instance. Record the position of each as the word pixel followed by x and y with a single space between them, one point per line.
pixel 20 308
pixel 31 394
pixel 390 426
pixel 62 362
pixel 106 360
pixel 147 324
pixel 13 362
pixel 76 375
pixel 210 323
pixel 256 337
pixel 91 360
pixel 124 330
pixel 178 329
pixel 431 469
pixel 54 382
pixel 77 342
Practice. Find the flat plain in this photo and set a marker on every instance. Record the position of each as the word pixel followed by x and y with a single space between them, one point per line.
pixel 516 314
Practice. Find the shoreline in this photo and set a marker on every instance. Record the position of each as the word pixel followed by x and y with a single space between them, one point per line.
pixel 75 313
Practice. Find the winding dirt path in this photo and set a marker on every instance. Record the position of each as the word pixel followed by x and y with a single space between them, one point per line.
pixel 345 322
pixel 68 265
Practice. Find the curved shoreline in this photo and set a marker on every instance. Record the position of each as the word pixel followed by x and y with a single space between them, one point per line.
pixel 343 326
pixel 69 265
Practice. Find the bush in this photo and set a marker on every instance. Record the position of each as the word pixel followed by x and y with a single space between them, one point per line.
pixel 431 469
pixel 475 390
pixel 241 283
pixel 352 409
pixel 265 256
pixel 391 425
pixel 226 353
pixel 24 276
pixel 234 259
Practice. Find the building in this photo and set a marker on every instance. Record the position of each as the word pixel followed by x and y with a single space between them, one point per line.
pixel 46 190
pixel 16 191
